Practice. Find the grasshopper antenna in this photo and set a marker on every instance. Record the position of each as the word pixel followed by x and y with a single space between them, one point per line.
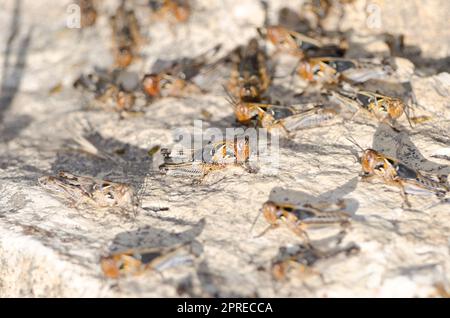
pixel 230 98
pixel 265 7
pixel 407 115
pixel 254 222
pixel 354 142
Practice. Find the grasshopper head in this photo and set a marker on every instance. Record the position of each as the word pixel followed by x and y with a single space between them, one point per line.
pixel 395 107
pixel 371 161
pixel 151 85
pixel 270 212
pixel 124 56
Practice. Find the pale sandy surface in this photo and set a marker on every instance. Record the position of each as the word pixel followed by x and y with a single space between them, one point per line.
pixel 47 249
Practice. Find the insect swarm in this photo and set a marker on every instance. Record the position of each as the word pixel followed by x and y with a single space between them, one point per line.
pixel 299 217
pixel 126 36
pixel 85 192
pixel 137 261
pixel 303 257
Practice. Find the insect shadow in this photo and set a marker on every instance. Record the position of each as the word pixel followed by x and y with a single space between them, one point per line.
pixel 152 237
pixel 399 145
pixel 11 78
pixel 279 194
pixel 115 160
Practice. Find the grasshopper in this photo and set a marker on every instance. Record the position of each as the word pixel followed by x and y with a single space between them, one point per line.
pixel 88 13
pixel 303 257
pixel 322 9
pixel 126 36
pixel 84 192
pixel 393 172
pixel 376 165
pixel 383 108
pixel 249 77
pixel 331 70
pixel 107 93
pixel 137 261
pixel 175 79
pixel 299 217
pixel 215 156
pixel 298 44
pixel 177 10
pixel 288 118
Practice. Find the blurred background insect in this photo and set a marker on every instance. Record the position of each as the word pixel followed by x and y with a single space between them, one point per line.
pixel 299 217
pixel 175 78
pixel 301 258
pixel 126 36
pixel 250 78
pixel 137 261
pixel 84 191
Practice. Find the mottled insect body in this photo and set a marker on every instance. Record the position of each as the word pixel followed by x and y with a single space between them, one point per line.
pixel 84 192
pixel 213 156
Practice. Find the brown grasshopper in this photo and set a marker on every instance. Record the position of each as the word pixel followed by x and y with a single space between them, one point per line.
pixel 288 118
pixel 322 9
pixel 383 108
pixel 393 172
pixel 215 156
pixel 298 217
pixel 175 79
pixel 126 36
pixel 249 77
pixel 331 70
pixel 88 13
pixel 84 191
pixel 303 257
pixel 298 44
pixel 177 10
pixel 107 93
pixel 140 260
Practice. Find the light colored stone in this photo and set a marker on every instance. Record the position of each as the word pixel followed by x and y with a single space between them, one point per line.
pixel 48 249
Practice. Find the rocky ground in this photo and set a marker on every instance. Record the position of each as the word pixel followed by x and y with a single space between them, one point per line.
pixel 50 249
